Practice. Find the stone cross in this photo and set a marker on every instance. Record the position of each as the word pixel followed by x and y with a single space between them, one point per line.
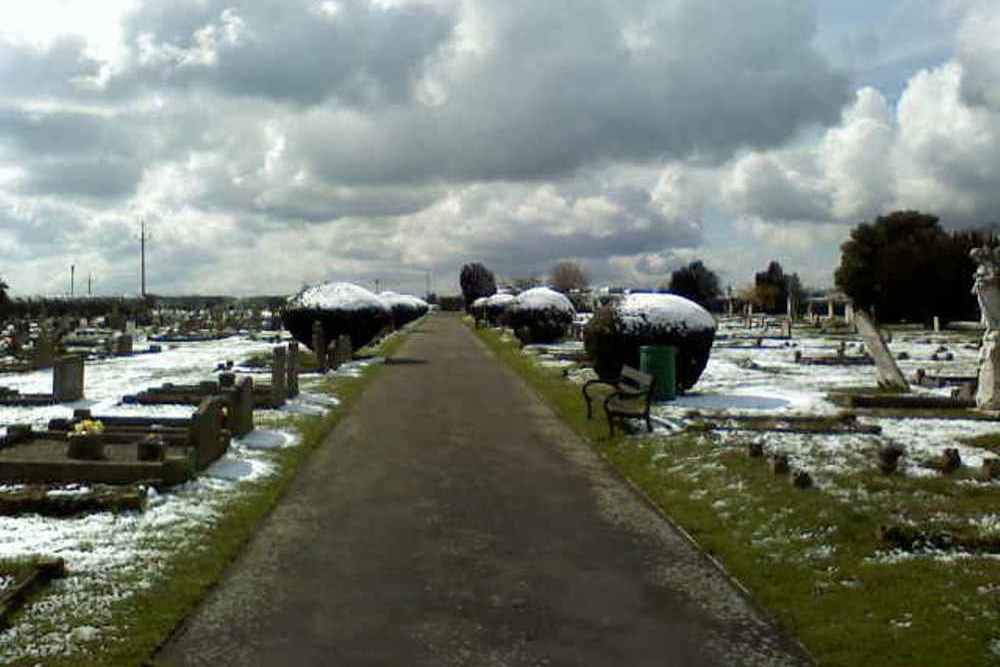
pixel 987 290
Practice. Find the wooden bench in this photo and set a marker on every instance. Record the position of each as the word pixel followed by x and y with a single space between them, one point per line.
pixel 632 393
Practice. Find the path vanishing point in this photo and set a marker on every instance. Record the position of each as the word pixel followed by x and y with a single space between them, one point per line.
pixel 452 519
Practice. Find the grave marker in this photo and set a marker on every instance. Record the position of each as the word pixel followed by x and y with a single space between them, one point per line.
pixel 889 375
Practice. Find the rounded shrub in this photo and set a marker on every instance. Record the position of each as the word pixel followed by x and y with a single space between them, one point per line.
pixel 497 307
pixel 617 331
pixel 403 307
pixel 341 308
pixel 540 315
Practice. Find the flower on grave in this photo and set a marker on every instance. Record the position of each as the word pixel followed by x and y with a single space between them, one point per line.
pixel 88 427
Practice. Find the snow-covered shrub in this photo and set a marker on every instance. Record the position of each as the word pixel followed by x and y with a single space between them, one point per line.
pixel 478 308
pixel 540 315
pixel 403 307
pixel 497 307
pixel 617 331
pixel 341 308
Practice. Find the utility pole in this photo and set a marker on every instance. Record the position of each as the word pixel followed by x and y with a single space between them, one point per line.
pixel 72 279
pixel 142 253
pixel 427 292
pixel 90 284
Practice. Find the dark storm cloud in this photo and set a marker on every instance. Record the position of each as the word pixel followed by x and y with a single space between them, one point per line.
pixel 567 84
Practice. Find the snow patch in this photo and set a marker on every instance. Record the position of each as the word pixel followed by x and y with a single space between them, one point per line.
pixel 337 296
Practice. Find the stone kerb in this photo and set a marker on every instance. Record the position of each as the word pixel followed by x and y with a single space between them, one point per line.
pixel 279 375
pixel 67 379
pixel 293 370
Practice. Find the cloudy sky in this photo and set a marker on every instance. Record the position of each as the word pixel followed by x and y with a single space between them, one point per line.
pixel 272 143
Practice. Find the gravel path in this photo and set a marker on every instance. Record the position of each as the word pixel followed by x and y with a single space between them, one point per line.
pixel 452 519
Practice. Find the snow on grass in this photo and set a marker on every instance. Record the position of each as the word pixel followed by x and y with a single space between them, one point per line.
pixel 110 557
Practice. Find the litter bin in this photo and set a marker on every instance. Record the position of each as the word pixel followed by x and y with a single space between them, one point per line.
pixel 660 361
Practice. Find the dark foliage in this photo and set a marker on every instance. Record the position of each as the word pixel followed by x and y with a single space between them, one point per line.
pixel 451 303
pixel 773 286
pixel 611 347
pixel 695 282
pixel 476 281
pixel 904 266
pixel 567 276
pixel 403 313
pixel 539 325
pixel 137 309
pixel 361 325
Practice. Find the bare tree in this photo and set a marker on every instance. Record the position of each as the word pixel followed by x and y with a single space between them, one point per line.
pixel 568 276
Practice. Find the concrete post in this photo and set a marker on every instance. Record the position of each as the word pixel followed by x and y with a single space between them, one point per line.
pixel 67 379
pixel 937 324
pixel 829 309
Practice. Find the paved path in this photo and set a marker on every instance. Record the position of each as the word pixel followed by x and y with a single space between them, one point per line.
pixel 452 519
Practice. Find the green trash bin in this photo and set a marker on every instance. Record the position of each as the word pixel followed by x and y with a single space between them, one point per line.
pixel 660 361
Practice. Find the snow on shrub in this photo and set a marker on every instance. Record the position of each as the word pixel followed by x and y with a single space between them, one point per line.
pixel 341 308
pixel 540 315
pixel 617 331
pixel 497 307
pixel 403 307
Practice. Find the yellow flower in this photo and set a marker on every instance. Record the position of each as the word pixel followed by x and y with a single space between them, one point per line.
pixel 89 426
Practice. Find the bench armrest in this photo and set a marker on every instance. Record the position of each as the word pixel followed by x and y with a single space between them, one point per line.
pixel 586 396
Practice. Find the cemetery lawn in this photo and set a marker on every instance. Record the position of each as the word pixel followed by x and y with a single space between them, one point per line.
pixel 813 558
pixel 144 620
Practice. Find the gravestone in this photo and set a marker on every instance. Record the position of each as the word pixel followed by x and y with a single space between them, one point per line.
pixel 319 346
pixel 67 379
pixel 279 375
pixel 239 414
pixel 987 290
pixel 786 328
pixel 43 354
pixel 342 351
pixel 293 370
pixel 889 375
pixel 123 345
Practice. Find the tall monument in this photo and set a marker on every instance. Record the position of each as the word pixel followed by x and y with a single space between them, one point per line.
pixel 987 290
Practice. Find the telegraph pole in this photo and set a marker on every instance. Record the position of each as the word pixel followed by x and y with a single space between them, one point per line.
pixel 142 254
pixel 72 279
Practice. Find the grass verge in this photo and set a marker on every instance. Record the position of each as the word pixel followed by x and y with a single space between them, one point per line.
pixel 813 558
pixel 144 620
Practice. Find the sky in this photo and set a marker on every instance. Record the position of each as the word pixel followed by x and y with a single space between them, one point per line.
pixel 276 143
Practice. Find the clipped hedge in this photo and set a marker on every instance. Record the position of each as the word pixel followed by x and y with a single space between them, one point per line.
pixel 540 315
pixel 403 308
pixel 341 309
pixel 617 331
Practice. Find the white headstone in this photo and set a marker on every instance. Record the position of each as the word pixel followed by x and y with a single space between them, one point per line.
pixel 889 375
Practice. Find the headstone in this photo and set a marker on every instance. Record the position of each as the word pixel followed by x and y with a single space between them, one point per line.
pixel 123 345
pixel 279 375
pixel 786 328
pixel 239 416
pixel 205 433
pixel 343 352
pixel 43 354
pixel 829 309
pixel 849 312
pixel 889 375
pixel 319 346
pixel 293 370
pixel 67 379
pixel 987 290
pixel 130 327
pixel 227 380
pixel 937 324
